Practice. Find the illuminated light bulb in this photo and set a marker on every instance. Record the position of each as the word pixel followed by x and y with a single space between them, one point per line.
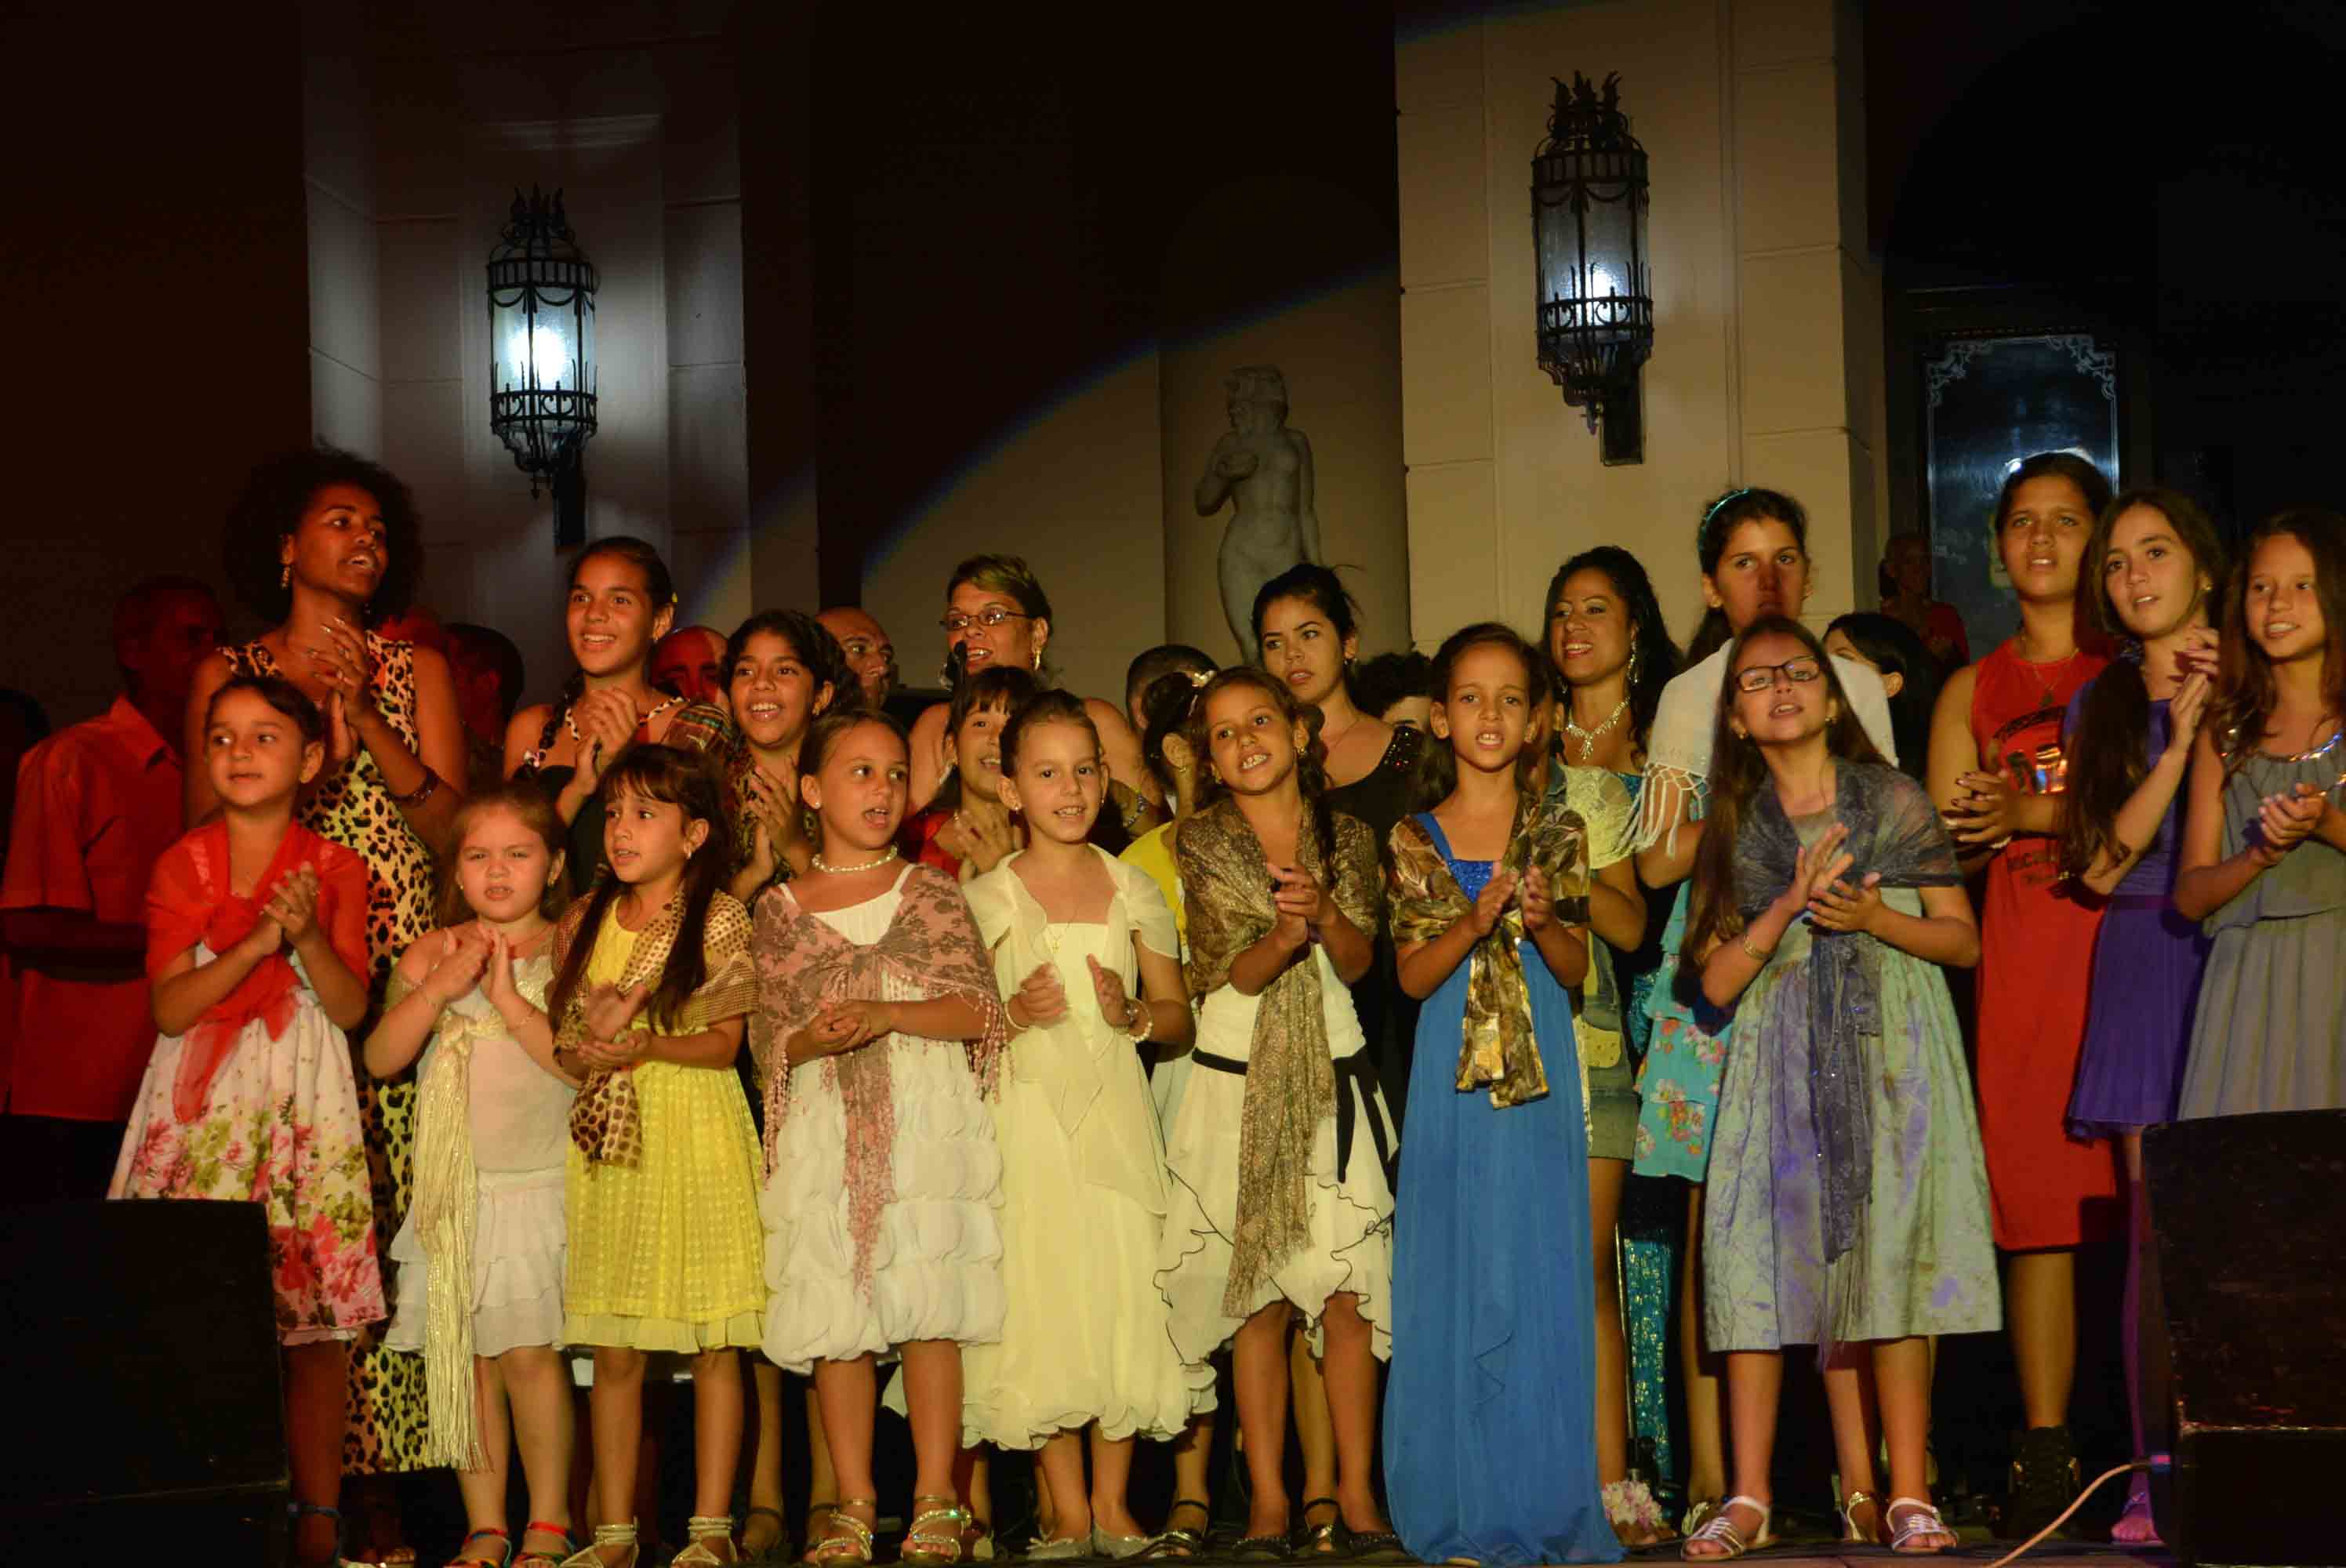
pixel 1601 284
pixel 540 346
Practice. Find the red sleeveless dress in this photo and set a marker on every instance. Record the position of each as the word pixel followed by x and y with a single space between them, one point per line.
pixel 2037 954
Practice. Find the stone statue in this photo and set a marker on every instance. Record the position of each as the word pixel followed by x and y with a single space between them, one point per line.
pixel 1265 469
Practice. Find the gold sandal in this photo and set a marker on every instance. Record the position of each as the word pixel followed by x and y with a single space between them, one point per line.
pixel 698 1532
pixel 935 1548
pixel 852 1545
pixel 591 1556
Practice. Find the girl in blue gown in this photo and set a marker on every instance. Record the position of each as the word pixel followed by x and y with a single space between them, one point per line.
pixel 1489 1451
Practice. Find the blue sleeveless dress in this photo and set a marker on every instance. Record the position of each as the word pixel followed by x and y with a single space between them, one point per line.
pixel 1488 1444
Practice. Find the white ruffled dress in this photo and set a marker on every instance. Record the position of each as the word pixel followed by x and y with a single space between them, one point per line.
pixel 936 1263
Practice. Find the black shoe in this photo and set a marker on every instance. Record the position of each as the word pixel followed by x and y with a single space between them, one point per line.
pixel 2043 1482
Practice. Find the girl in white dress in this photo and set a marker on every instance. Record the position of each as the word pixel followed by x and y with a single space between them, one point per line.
pixel 1084 1341
pixel 876 1036
pixel 1281 1207
pixel 481 1255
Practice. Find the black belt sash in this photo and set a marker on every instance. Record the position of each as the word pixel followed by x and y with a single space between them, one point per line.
pixel 1353 1073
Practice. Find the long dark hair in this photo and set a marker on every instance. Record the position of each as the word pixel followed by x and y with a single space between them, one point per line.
pixel 1165 710
pixel 1738 773
pixel 1654 658
pixel 2245 694
pixel 1320 588
pixel 688 781
pixel 1438 774
pixel 1312 779
pixel 2090 480
pixel 1890 644
pixel 1002 686
pixel 2108 749
pixel 659 589
pixel 1720 519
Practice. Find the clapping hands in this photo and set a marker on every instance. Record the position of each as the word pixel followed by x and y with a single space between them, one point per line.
pixel 290 914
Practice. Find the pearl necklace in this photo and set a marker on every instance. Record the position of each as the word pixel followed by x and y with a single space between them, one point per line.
pixel 1589 738
pixel 571 723
pixel 822 865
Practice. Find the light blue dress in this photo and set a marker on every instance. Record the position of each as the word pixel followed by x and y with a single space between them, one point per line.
pixel 1488 1441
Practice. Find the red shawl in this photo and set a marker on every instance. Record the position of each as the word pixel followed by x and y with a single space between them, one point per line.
pixel 188 901
pixel 931 947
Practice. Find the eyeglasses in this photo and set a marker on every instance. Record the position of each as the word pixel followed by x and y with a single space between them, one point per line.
pixel 1760 677
pixel 990 619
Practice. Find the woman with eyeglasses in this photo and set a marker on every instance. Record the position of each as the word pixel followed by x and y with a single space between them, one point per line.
pixel 996 614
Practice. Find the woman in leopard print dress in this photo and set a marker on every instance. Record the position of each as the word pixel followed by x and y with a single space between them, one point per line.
pixel 318 537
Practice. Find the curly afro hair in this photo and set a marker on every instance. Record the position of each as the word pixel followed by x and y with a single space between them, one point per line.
pixel 271 505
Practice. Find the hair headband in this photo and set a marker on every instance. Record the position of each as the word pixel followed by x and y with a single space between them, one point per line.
pixel 1736 494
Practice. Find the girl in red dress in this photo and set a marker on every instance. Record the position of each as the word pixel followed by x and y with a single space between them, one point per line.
pixel 1997 771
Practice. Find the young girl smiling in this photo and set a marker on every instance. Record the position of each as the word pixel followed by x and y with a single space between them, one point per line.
pixel 1084 1340
pixel 1281 1208
pixel 481 1255
pixel 1848 1207
pixel 2262 861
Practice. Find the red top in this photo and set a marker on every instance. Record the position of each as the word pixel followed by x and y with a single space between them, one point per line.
pixel 2036 953
pixel 96 804
pixel 917 840
pixel 190 901
pixel 1944 623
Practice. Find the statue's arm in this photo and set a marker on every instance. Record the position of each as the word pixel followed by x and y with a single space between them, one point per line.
pixel 1214 486
pixel 1307 516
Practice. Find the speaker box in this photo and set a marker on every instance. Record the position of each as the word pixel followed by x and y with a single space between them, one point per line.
pixel 2249 1219
pixel 138 1361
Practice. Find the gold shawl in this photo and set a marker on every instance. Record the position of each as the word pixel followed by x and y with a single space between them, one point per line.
pixel 1497 1047
pixel 446 1212
pixel 605 1121
pixel 1290 1083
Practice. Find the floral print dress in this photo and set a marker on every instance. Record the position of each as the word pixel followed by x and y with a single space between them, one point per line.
pixel 258 1103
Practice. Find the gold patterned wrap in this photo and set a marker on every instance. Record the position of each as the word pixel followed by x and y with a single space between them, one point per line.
pixel 606 1120
pixel 1290 1083
pixel 1497 1047
pixel 447 1206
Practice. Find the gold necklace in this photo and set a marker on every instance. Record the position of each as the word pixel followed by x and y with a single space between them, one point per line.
pixel 571 723
pixel 1589 738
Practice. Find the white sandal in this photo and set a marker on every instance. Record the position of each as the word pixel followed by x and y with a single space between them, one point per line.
pixel 1720 1530
pixel 1921 1519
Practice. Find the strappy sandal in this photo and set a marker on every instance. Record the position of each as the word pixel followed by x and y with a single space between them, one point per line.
pixel 925 1546
pixel 698 1532
pixel 1630 1509
pixel 1921 1519
pixel 1310 1539
pixel 775 1551
pixel 851 1544
pixel 555 1559
pixel 1860 1497
pixel 1174 1540
pixel 462 1560
pixel 1719 1529
pixel 591 1554
pixel 297 1512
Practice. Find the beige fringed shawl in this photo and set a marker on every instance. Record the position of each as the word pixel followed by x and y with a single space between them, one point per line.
pixel 447 1206
pixel 607 1120
pixel 1497 1049
pixel 1290 1083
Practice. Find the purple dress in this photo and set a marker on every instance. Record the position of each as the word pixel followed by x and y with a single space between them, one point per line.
pixel 2145 984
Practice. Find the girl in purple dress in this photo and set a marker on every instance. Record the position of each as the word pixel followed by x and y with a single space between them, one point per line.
pixel 2152 570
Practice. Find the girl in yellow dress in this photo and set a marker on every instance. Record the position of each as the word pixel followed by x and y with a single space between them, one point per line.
pixel 652 985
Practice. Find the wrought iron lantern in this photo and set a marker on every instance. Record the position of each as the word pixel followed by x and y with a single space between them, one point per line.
pixel 541 353
pixel 1596 293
